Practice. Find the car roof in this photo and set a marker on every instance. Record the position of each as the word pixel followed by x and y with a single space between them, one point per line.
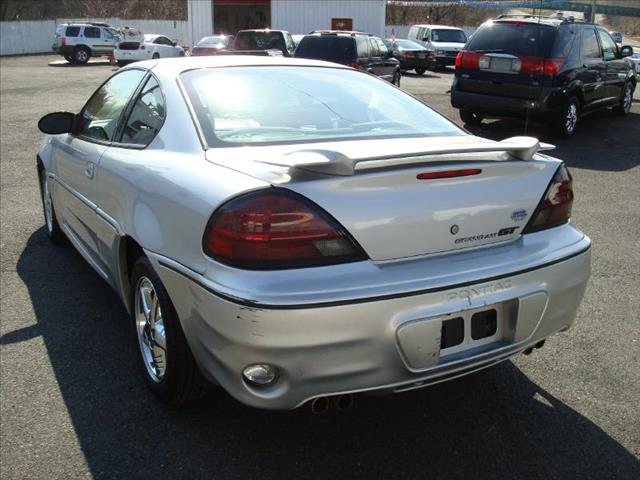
pixel 172 67
pixel 442 27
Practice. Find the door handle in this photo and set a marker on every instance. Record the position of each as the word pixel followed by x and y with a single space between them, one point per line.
pixel 88 171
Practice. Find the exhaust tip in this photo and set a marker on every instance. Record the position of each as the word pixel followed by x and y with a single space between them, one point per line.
pixel 343 402
pixel 319 405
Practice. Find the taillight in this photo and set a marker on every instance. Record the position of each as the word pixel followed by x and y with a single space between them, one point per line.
pixel 409 54
pixel 466 59
pixel 276 228
pixel 63 41
pixel 540 66
pixel 555 207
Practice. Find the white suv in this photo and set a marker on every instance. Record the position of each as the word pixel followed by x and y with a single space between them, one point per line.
pixel 78 42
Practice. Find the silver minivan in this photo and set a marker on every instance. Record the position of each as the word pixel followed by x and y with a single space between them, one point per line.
pixel 446 41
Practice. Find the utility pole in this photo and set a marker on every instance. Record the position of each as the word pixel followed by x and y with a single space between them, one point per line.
pixel 593 11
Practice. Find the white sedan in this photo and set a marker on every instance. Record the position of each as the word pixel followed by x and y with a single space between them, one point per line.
pixel 152 46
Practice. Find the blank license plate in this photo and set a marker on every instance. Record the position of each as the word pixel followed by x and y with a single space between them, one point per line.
pixel 501 64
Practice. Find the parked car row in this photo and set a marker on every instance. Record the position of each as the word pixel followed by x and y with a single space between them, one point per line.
pixel 78 42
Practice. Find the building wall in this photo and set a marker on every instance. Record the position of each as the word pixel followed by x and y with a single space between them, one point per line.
pixel 303 16
pixel 200 19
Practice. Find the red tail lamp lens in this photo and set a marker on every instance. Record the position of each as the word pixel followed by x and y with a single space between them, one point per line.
pixel 466 59
pixel 409 54
pixel 555 207
pixel 277 229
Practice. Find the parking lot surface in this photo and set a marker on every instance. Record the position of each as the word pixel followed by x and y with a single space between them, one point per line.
pixel 73 404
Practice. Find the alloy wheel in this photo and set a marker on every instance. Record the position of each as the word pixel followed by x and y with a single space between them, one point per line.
pixel 150 330
pixel 82 56
pixel 571 118
pixel 628 98
pixel 48 205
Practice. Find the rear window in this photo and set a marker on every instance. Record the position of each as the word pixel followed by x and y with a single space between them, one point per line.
pixel 409 45
pixel 276 104
pixel 457 36
pixel 259 41
pixel 514 38
pixel 331 48
pixel 72 31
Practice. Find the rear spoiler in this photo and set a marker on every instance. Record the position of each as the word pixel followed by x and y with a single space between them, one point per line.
pixel 335 163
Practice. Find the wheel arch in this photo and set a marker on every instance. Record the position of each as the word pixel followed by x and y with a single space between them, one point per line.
pixel 128 251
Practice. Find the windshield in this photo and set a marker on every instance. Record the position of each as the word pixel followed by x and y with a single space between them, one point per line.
pixel 215 40
pixel 259 41
pixel 276 104
pixel 332 48
pixel 457 36
pixel 409 45
pixel 514 38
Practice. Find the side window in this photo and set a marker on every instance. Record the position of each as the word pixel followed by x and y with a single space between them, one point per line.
pixel 99 117
pixel 384 51
pixel 373 47
pixel 147 115
pixel 72 31
pixel 609 49
pixel 422 33
pixel 589 47
pixel 91 32
pixel 363 46
pixel 564 42
pixel 162 41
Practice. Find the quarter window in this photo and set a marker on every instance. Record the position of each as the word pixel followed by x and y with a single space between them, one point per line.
pixel 72 31
pixel 92 32
pixel 609 49
pixel 373 48
pixel 147 115
pixel 99 117
pixel 363 46
pixel 590 47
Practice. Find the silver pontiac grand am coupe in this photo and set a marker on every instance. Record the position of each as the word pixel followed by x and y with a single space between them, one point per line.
pixel 297 231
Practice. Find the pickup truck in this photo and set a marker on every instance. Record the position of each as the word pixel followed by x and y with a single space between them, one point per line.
pixel 255 41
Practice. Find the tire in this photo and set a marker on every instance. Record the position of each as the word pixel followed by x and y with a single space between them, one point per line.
pixel 470 118
pixel 122 63
pixel 420 71
pixel 155 56
pixel 170 372
pixel 81 55
pixel 51 225
pixel 396 78
pixel 626 100
pixel 69 58
pixel 567 120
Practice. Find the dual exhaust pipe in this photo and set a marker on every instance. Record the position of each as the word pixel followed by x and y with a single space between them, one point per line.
pixel 339 403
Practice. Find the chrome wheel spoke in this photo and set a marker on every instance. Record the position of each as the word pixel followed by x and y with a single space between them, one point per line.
pixel 150 329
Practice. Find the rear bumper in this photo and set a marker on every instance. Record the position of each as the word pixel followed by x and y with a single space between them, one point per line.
pixel 445 60
pixel 362 345
pixel 63 50
pixel 548 103
pixel 409 64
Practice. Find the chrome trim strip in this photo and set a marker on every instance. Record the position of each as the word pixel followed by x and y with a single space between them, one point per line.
pixel 189 274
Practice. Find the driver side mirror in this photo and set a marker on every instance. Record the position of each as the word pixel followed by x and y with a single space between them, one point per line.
pixel 626 51
pixel 57 123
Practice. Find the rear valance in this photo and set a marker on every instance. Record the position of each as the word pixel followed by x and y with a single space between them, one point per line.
pixel 335 163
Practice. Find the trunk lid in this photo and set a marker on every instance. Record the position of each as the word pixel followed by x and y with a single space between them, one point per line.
pixel 393 214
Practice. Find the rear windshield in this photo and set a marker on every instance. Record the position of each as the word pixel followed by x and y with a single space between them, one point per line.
pixel 458 36
pixel 327 47
pixel 215 40
pixel 259 41
pixel 277 104
pixel 72 31
pixel 514 38
pixel 409 45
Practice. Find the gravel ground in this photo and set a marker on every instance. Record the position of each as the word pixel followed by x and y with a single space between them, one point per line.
pixel 73 405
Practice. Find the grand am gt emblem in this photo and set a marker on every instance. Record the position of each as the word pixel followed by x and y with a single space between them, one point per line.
pixel 487 236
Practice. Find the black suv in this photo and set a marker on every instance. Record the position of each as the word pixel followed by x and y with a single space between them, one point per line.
pixel 539 67
pixel 356 49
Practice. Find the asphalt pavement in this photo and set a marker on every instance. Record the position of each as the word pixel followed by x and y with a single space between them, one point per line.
pixel 73 405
